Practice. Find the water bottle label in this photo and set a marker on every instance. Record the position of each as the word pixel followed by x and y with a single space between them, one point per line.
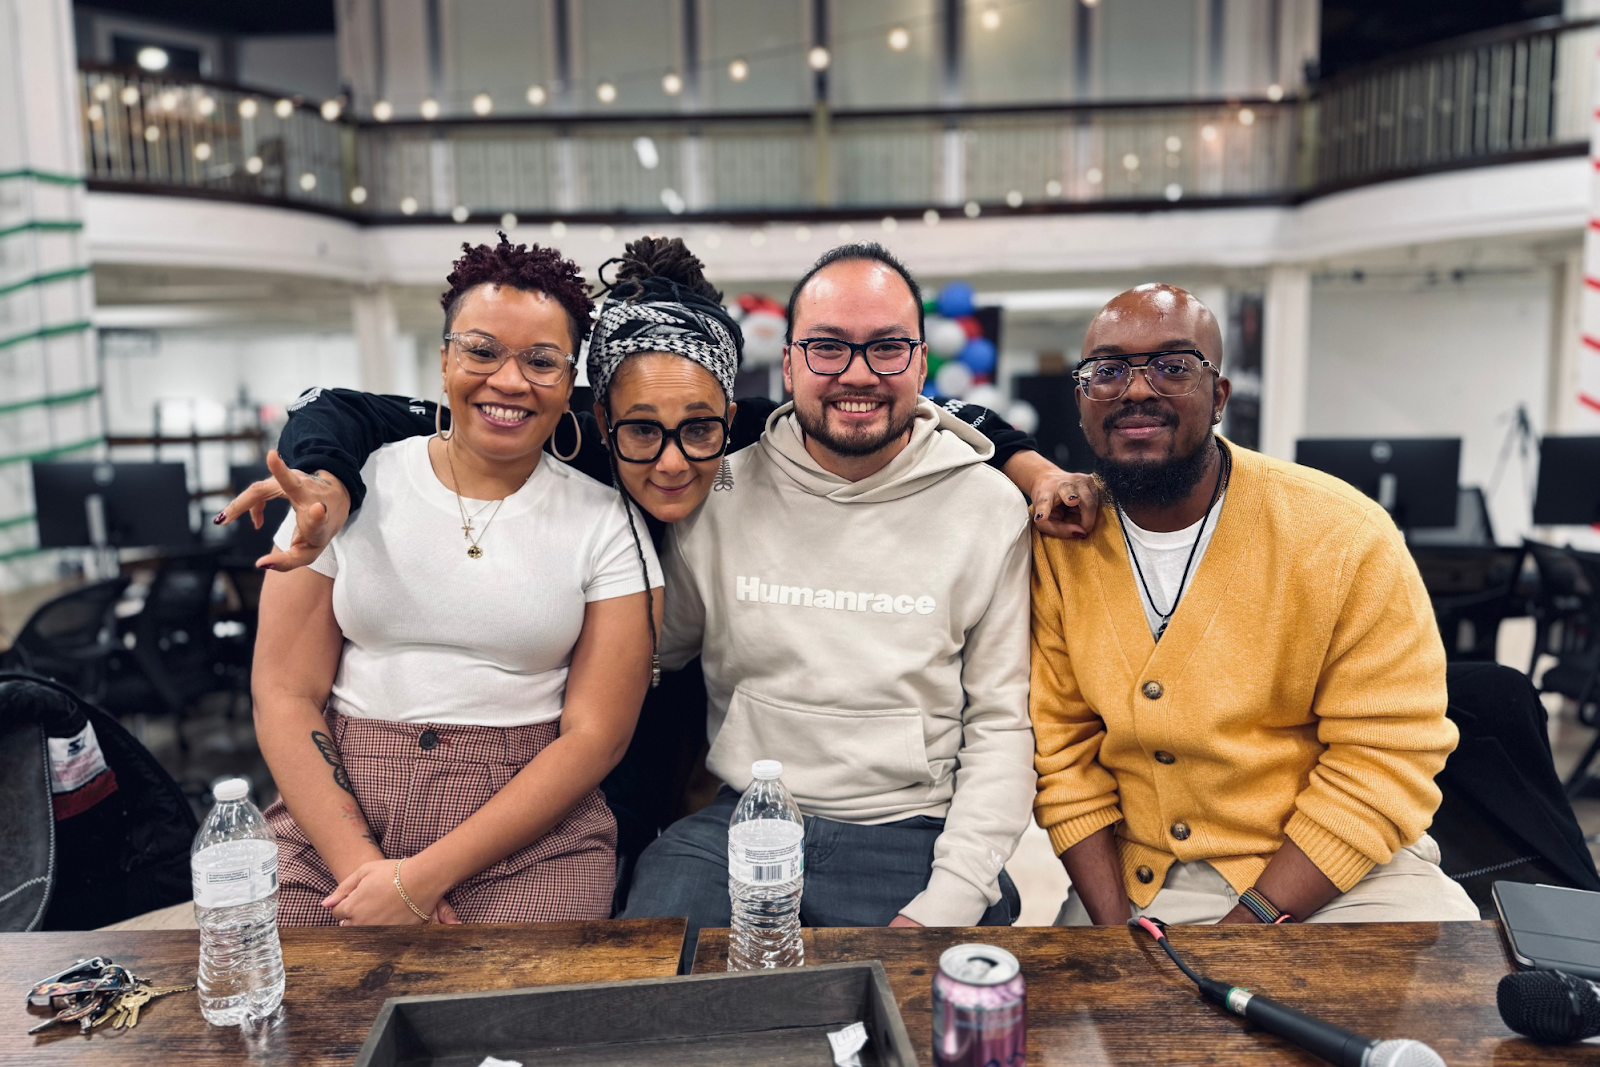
pixel 225 879
pixel 766 865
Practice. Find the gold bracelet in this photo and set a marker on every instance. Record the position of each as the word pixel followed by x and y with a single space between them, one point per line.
pixel 424 916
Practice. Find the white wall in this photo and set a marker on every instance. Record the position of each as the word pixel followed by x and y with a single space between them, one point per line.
pixel 1404 358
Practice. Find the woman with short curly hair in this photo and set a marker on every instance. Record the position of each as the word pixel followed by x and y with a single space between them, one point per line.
pixel 441 693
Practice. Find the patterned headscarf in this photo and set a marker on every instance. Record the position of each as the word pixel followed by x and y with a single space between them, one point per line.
pixel 659 315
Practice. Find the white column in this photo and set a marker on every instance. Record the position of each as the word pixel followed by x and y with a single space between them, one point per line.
pixel 1567 350
pixel 49 374
pixel 1285 359
pixel 377 330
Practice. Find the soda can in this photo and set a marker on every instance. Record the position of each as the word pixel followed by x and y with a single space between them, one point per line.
pixel 980 1009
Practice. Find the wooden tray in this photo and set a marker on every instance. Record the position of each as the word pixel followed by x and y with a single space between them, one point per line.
pixel 778 1017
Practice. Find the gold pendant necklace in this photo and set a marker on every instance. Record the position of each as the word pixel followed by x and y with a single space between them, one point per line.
pixel 474 551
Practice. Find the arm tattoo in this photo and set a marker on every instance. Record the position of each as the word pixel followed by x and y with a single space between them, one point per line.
pixel 330 755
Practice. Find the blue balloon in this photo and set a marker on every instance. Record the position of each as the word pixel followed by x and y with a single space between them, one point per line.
pixel 955 300
pixel 979 355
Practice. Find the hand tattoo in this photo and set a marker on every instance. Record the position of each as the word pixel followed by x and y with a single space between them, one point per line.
pixel 330 755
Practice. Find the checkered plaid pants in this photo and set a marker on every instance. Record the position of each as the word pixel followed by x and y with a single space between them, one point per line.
pixel 416 783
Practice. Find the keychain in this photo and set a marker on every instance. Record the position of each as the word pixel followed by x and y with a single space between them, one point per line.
pixel 95 991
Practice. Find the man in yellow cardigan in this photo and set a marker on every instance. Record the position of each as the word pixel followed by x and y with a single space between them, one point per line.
pixel 1238 688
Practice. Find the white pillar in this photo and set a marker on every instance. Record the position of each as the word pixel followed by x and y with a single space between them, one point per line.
pixel 49 374
pixel 377 330
pixel 1567 350
pixel 1285 359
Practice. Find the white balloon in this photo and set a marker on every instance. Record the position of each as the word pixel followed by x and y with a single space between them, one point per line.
pixel 953 379
pixel 763 337
pixel 1023 415
pixel 946 338
pixel 986 396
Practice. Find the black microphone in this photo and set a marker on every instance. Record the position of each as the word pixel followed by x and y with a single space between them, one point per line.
pixel 1346 1048
pixel 1549 1005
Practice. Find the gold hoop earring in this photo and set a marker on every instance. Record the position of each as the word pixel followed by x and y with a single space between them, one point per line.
pixel 438 417
pixel 577 436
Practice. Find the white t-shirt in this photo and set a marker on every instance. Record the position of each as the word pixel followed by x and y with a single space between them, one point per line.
pixel 1161 559
pixel 432 635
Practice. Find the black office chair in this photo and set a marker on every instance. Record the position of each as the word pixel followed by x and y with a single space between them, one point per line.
pixel 70 638
pixel 173 643
pixel 1473 590
pixel 1563 603
pixel 1578 676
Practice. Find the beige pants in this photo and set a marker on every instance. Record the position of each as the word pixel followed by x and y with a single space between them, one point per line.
pixel 1409 888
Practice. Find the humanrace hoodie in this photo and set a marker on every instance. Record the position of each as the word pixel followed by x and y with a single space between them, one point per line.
pixel 873 636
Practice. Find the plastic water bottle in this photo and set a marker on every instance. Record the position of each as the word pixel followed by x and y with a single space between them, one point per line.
pixel 235 867
pixel 766 872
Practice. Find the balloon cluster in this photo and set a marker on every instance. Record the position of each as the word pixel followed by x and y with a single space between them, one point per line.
pixel 961 360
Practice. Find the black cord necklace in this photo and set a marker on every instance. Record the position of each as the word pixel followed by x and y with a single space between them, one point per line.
pixel 1216 495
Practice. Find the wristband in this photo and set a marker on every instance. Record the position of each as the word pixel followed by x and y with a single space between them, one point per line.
pixel 424 916
pixel 1262 908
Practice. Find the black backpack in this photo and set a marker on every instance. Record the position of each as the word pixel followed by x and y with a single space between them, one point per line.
pixel 92 828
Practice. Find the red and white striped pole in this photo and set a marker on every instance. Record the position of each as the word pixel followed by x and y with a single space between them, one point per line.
pixel 1586 411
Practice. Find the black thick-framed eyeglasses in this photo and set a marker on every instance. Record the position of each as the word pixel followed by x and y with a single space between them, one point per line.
pixel 832 356
pixel 1174 372
pixel 643 440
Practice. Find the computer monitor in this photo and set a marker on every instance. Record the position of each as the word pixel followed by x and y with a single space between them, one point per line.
pixel 1569 482
pixel 138 504
pixel 247 540
pixel 1414 478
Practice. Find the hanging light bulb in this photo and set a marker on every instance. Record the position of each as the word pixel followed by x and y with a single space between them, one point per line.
pixel 990 18
pixel 460 213
pixel 482 104
pixel 899 39
pixel 152 134
pixel 1247 117
pixel 247 107
pixel 1274 92
pixel 672 84
pixel 283 108
pixel 130 96
pixel 383 111
pixel 508 221
pixel 102 91
pixel 818 58
pixel 738 70
pixel 308 181
pixel 202 151
pixel 537 95
pixel 253 165
pixel 930 217
pixel 358 194
pixel 1052 188
pixel 206 106
pixel 408 206
pixel 330 110
pixel 152 58
pixel 971 209
pixel 94 113
pixel 429 108
pixel 606 92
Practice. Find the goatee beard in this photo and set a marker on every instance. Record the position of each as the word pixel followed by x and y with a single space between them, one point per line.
pixel 854 444
pixel 1158 484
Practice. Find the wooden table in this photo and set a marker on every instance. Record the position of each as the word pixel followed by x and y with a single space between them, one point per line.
pixel 337 980
pixel 1100 996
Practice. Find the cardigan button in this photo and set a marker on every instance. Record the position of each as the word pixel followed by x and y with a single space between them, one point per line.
pixel 1165 757
pixel 1145 875
pixel 1180 830
pixel 426 740
pixel 1152 690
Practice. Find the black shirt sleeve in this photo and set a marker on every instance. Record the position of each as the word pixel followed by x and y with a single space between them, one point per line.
pixel 337 429
pixel 751 418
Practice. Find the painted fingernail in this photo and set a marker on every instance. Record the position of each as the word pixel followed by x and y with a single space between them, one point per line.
pixel 1072 496
pixel 218 520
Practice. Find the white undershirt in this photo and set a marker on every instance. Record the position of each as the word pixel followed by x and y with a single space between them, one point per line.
pixel 432 635
pixel 1161 558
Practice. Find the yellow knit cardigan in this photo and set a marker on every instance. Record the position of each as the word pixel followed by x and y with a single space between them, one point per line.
pixel 1299 689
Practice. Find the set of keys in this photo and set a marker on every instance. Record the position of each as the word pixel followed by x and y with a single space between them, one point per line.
pixel 96 991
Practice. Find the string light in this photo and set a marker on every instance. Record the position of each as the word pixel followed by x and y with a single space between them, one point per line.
pixel 672 83
pixel 152 58
pixel 408 206
pixel 558 229
pixel 253 165
pixel 102 91
pixel 152 134
pixel 1208 133
pixel 482 104
pixel 358 194
pixel 1274 92
pixel 606 92
pixel 1174 144
pixel 383 111
pixel 95 113
pixel 202 151
pixel 818 58
pixel 890 224
pixel 330 110
pixel 169 100
pixel 283 108
pixel 1093 176
pixel 308 181
pixel 460 213
pixel 130 96
pixel 990 18
pixel 1091 3
pixel 1174 192
pixel 738 70
pixel 971 210
pixel 899 39
pixel 1052 188
pixel 1130 162
pixel 247 107
pixel 930 217
pixel 429 108
pixel 508 221
pixel 1014 198
pixel 1247 117
pixel 206 105
pixel 537 95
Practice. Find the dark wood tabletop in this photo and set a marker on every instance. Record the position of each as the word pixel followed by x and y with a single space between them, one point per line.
pixel 337 981
pixel 1100 996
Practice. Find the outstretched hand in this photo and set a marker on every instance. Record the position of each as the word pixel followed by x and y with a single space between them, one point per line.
pixel 1065 504
pixel 321 506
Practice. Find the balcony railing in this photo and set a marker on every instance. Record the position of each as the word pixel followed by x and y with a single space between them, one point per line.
pixel 1516 93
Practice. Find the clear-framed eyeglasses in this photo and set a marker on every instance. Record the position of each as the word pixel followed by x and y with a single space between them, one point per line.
pixel 643 440
pixel 1178 372
pixel 832 356
pixel 478 353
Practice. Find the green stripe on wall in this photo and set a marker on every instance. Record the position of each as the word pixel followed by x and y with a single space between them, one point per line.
pixel 45 331
pixel 44 279
pixel 50 401
pixel 16 520
pixel 44 225
pixel 18 553
pixel 51 453
pixel 40 176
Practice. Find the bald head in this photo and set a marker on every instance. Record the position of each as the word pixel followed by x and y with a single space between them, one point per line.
pixel 1154 318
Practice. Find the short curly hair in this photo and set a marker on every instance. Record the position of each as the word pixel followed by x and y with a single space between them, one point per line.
pixel 527 267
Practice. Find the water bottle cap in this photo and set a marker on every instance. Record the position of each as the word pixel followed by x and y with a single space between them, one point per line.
pixel 231 789
pixel 766 769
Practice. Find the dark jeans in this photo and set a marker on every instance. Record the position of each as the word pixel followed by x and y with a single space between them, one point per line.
pixel 855 875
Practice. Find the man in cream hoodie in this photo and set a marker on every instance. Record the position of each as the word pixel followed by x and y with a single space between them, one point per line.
pixel 860 599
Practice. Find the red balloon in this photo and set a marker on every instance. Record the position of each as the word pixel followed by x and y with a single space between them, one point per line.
pixel 970 324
